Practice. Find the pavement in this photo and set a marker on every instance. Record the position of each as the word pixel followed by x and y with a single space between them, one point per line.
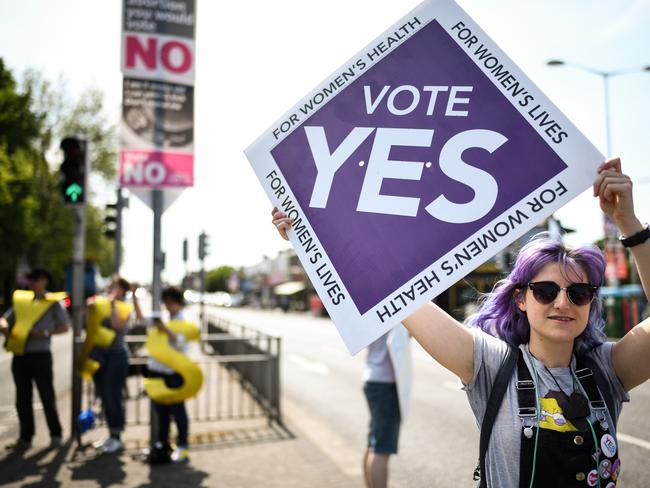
pixel 233 453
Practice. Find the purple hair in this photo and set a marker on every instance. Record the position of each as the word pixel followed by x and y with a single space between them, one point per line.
pixel 498 314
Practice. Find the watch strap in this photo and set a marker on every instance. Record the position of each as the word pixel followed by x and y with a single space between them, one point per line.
pixel 636 239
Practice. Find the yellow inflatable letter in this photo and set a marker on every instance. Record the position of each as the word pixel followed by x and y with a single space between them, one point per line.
pixel 160 349
pixel 28 311
pixel 97 335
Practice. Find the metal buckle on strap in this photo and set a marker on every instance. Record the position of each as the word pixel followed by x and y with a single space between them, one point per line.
pixel 525 385
pixel 527 411
pixel 583 373
pixel 596 404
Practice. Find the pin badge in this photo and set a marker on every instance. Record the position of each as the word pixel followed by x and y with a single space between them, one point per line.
pixel 611 484
pixel 608 445
pixel 605 468
pixel 592 477
pixel 616 469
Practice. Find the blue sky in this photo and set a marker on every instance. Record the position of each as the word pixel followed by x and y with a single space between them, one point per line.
pixel 255 59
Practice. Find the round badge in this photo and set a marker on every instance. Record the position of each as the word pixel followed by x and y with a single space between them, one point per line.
pixel 605 468
pixel 592 478
pixel 611 485
pixel 616 469
pixel 608 445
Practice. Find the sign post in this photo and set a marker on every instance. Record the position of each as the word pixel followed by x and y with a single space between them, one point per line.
pixel 74 172
pixel 157 127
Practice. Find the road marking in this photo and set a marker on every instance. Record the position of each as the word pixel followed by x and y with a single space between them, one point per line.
pixel 633 440
pixel 309 366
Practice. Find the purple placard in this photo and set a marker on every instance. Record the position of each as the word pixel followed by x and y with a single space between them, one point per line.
pixel 518 166
pixel 415 162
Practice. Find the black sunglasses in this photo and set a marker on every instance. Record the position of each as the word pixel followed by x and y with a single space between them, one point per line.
pixel 546 292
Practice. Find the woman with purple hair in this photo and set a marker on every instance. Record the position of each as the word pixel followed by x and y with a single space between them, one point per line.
pixel 558 412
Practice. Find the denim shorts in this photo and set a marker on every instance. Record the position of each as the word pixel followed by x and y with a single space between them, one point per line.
pixel 383 432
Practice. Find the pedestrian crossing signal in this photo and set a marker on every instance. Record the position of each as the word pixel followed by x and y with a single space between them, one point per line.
pixel 74 192
pixel 73 171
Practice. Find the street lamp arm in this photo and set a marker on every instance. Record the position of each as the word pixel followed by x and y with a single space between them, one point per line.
pixel 604 74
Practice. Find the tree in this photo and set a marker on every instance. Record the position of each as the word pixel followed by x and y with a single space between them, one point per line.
pixel 217 279
pixel 19 126
pixel 19 171
pixel 35 228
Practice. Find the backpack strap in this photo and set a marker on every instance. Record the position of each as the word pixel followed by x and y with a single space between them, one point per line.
pixel 588 371
pixel 494 402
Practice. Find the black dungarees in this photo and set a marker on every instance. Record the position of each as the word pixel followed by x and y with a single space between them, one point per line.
pixel 565 459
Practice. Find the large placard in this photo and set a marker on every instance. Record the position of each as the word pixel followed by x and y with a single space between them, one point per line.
pixel 416 161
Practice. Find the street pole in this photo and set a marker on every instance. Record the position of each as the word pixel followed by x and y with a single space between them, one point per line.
pixel 156 285
pixel 156 289
pixel 202 303
pixel 613 247
pixel 118 231
pixel 203 252
pixel 611 242
pixel 78 300
pixel 607 122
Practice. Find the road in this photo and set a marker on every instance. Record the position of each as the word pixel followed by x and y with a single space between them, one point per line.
pixel 322 398
pixel 439 443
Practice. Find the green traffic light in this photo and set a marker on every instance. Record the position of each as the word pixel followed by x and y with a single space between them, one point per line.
pixel 74 191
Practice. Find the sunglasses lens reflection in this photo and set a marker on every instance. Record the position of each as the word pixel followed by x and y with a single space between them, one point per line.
pixel 545 292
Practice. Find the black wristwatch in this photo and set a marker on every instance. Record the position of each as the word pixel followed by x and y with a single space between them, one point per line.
pixel 636 239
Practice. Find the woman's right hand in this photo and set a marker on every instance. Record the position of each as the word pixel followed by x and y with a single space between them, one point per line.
pixel 282 222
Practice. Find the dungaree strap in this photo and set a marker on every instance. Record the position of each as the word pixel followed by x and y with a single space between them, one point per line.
pixel 593 382
pixel 494 402
pixel 526 393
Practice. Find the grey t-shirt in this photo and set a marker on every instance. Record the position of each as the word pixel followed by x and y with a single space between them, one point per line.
pixel 502 459
pixel 54 317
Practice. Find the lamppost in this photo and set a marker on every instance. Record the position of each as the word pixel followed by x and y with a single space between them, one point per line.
pixel 610 229
pixel 605 75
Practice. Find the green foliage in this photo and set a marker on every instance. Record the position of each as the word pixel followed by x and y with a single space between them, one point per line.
pixel 217 279
pixel 87 119
pixel 60 117
pixel 19 126
pixel 35 227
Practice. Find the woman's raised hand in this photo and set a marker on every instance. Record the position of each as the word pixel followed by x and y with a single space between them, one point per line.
pixel 614 190
pixel 281 222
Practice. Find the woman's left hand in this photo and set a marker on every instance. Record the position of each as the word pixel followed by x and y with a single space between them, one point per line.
pixel 614 190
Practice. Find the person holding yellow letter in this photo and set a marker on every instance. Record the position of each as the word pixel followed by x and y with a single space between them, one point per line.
pixel 28 326
pixel 166 399
pixel 113 361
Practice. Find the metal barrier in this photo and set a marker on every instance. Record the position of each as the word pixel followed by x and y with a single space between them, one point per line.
pixel 241 377
pixel 260 379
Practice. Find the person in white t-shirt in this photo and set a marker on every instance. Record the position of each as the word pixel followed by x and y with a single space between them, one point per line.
pixel 383 432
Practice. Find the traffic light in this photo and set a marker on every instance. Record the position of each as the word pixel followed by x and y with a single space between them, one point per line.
pixel 204 245
pixel 110 220
pixel 72 180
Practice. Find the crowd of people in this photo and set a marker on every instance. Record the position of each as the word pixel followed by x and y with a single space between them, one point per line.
pixel 37 314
